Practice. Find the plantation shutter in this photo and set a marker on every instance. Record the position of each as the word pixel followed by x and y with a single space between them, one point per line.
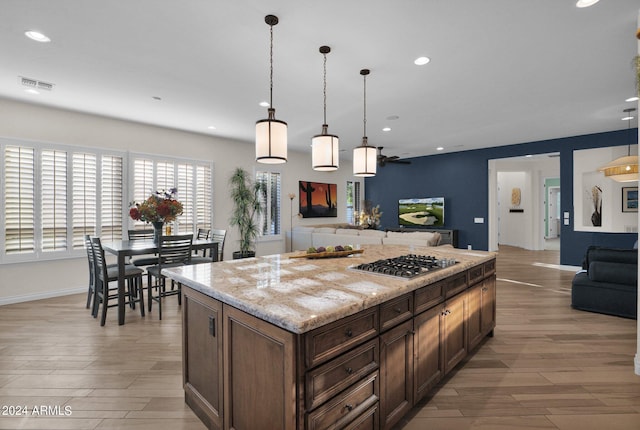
pixel 203 201
pixel 112 193
pixel 19 208
pixel 142 181
pixel 165 176
pixel 270 217
pixel 84 197
pixel 185 196
pixel 54 200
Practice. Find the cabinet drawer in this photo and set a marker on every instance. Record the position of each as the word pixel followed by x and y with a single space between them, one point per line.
pixel 396 311
pixel 333 339
pixel 369 420
pixel 489 268
pixel 476 274
pixel 429 296
pixel 456 284
pixel 329 379
pixel 347 407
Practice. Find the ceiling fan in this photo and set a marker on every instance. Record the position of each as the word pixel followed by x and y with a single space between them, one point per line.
pixel 383 159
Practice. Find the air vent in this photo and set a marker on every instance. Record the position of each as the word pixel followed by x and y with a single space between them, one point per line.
pixel 34 83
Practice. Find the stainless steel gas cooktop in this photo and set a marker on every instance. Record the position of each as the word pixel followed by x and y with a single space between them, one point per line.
pixel 405 266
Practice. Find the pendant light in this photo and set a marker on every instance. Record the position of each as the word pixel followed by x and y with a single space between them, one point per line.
pixel 623 169
pixel 271 134
pixel 324 146
pixel 364 156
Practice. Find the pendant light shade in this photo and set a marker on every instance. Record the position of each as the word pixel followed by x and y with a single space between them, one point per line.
pixel 325 148
pixel 365 156
pixel 623 169
pixel 271 134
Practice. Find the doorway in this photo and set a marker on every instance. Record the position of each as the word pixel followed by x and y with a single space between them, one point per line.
pixel 534 222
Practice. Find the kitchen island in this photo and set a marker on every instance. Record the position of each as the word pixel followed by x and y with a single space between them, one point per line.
pixel 296 343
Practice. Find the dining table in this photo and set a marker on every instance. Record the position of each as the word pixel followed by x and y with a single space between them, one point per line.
pixel 127 248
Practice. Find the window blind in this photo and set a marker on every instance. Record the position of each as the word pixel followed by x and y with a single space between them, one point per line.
pixel 53 188
pixel 19 196
pixel 84 197
pixel 270 217
pixel 111 198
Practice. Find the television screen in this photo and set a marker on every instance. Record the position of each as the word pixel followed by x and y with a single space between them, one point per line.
pixel 421 212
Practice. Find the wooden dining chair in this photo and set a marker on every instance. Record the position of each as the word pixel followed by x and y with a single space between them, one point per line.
pixel 146 234
pixel 104 275
pixel 197 257
pixel 173 251
pixel 92 276
pixel 219 236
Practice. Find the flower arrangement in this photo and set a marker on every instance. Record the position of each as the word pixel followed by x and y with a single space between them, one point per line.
pixel 158 207
pixel 370 216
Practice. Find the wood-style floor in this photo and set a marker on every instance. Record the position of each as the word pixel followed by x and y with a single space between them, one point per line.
pixel 548 366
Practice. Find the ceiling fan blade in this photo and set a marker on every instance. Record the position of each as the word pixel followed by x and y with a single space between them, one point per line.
pixel 399 161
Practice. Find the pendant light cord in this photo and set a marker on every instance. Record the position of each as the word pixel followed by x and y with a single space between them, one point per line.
pixel 324 88
pixel 364 121
pixel 271 68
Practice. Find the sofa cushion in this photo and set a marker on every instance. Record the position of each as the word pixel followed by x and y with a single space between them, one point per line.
pixel 348 231
pixel 612 255
pixel 330 230
pixel 373 233
pixel 616 273
pixel 431 238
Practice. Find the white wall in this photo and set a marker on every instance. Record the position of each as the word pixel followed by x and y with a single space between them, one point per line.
pixel 512 226
pixel 33 122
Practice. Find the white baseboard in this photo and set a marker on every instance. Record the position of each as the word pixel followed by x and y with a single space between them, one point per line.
pixel 40 296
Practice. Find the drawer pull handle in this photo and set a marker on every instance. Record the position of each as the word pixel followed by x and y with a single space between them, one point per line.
pixel 348 333
pixel 398 310
pixel 349 370
pixel 349 407
pixel 485 289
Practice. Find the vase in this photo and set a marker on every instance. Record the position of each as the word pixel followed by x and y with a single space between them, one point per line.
pixel 157 231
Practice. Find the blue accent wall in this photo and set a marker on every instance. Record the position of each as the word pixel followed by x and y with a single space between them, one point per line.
pixel 462 178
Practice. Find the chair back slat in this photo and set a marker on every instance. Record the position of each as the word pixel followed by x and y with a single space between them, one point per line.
pixel 175 249
pixel 219 236
pixel 100 263
pixel 146 234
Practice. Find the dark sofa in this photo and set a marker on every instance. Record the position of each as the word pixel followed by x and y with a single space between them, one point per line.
pixel 608 283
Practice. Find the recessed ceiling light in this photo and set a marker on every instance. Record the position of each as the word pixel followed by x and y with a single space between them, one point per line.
pixel 632 99
pixel 439 148
pixel 31 91
pixel 211 127
pixel 586 3
pixel 421 61
pixel 528 156
pixel 627 118
pixel 37 36
pixel 264 104
pixel 386 129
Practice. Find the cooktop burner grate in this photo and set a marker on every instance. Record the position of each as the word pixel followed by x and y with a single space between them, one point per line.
pixel 405 266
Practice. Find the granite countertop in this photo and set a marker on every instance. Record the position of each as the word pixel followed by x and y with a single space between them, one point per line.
pixel 299 294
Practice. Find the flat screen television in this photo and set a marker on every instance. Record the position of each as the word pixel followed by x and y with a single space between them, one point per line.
pixel 421 212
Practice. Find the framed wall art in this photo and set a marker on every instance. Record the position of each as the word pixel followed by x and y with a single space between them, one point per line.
pixel 318 199
pixel 629 199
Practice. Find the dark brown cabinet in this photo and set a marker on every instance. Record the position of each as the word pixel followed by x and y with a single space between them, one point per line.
pixel 454 331
pixel 428 366
pixel 396 369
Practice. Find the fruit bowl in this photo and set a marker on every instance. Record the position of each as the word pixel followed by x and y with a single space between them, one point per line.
pixel 333 254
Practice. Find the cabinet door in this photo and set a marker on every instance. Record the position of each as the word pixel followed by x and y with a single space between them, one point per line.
pixel 455 332
pixel 428 361
pixel 488 314
pixel 474 310
pixel 260 373
pixel 202 356
pixel 396 374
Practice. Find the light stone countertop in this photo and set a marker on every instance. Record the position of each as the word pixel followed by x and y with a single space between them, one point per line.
pixel 300 294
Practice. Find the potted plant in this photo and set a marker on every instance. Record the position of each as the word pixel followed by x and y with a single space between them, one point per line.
pixel 247 196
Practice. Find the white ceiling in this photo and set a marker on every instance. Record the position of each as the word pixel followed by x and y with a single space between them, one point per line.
pixel 501 71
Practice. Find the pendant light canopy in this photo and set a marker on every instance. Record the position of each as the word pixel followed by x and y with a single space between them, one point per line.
pixel 364 156
pixel 324 146
pixel 623 169
pixel 271 134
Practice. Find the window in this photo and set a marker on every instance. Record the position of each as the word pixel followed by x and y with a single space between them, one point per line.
pixel 353 202
pixel 270 217
pixel 192 179
pixel 51 193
